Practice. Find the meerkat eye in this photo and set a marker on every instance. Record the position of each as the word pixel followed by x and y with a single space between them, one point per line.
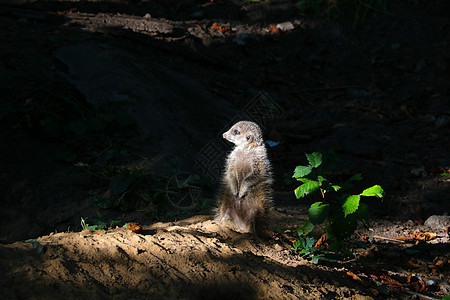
pixel 235 132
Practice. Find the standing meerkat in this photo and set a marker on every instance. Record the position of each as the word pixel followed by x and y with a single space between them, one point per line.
pixel 246 192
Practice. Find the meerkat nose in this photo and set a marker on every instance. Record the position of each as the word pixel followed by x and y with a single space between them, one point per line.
pixel 224 135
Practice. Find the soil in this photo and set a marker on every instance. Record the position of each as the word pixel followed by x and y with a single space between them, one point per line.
pixel 376 93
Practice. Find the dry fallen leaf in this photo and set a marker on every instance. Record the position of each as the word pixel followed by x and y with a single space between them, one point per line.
pixel 418 236
pixel 354 276
pixel 273 28
pixel 439 264
pixel 135 227
pixel 412 263
pixel 389 281
pixel 322 242
pixel 417 283
pixel 223 29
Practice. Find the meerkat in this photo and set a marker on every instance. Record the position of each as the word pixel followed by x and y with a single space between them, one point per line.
pixel 246 193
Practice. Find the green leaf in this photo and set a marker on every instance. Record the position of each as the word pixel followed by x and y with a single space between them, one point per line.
pixel 320 179
pixel 306 188
pixel 299 193
pixel 309 243
pixel 376 190
pixel 351 204
pixel 318 212
pixel 302 171
pixel 305 229
pixel 304 179
pixel 356 177
pixel 315 159
pixel 336 187
pixel 309 187
pixel 296 245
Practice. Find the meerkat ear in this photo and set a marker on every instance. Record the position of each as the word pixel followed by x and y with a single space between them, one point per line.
pixel 249 138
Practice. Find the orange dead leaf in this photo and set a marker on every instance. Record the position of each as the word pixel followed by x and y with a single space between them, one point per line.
pixel 412 263
pixel 223 29
pixel 364 237
pixel 417 283
pixel 389 281
pixel 374 277
pixel 425 236
pixel 354 276
pixel 439 264
pixel 418 236
pixel 135 227
pixel 322 242
pixel 273 28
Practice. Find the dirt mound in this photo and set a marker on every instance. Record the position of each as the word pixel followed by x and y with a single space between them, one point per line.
pixel 191 259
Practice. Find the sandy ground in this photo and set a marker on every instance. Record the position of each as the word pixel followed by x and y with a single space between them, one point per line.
pixel 198 259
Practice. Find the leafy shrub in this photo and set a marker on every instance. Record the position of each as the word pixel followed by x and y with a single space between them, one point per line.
pixel 340 213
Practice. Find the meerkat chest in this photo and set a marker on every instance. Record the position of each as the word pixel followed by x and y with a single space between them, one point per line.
pixel 242 161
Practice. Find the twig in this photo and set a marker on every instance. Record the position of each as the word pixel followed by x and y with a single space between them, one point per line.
pixel 387 239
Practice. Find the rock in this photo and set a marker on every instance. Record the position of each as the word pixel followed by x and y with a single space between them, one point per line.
pixel 285 26
pixel 437 222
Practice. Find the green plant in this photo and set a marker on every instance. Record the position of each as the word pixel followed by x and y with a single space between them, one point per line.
pixel 340 213
pixel 99 224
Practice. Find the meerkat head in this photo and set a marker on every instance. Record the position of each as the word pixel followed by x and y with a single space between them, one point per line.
pixel 244 133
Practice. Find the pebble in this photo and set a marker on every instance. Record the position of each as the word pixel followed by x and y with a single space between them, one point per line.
pixel 437 222
pixel 285 26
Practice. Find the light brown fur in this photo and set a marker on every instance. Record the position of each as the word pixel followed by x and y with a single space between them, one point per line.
pixel 246 191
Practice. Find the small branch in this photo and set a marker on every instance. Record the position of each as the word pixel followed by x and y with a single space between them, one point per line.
pixel 387 239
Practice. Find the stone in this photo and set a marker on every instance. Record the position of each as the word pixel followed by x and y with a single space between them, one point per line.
pixel 438 222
